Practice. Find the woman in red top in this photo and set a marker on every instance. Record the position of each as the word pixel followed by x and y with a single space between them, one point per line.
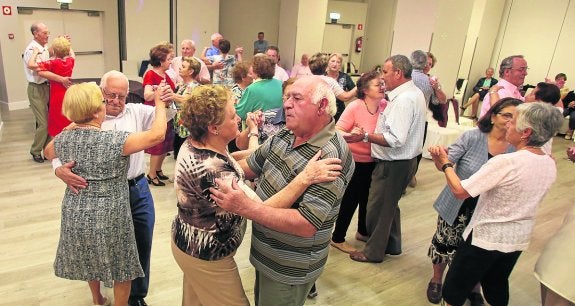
pixel 62 64
pixel 161 57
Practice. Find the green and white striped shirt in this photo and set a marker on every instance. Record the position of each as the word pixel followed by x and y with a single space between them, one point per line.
pixel 284 257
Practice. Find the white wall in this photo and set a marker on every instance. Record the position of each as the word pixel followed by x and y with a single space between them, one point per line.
pixel 449 40
pixel 483 44
pixel 414 25
pixel 563 58
pixel 310 26
pixel 536 42
pixel 197 20
pixel 287 33
pixel 378 33
pixel 241 20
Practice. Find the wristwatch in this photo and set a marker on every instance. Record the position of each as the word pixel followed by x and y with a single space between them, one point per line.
pixel 366 137
pixel 445 166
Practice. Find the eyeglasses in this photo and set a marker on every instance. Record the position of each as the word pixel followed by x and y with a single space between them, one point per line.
pixel 520 69
pixel 112 96
pixel 506 116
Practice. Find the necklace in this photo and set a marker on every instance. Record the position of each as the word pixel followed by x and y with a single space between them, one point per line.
pixel 532 148
pixel 88 126
pixel 367 108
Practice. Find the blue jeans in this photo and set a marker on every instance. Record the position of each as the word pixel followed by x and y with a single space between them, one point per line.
pixel 571 113
pixel 143 215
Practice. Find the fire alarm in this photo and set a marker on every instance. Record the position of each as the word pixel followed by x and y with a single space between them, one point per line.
pixel 6 10
pixel 10 36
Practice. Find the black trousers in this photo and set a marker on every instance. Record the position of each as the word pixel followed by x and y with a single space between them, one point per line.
pixel 473 264
pixel 355 195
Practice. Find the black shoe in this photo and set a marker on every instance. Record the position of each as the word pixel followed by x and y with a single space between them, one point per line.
pixel 37 158
pixel 161 175
pixel 312 293
pixel 476 299
pixel 137 302
pixel 155 181
pixel 434 292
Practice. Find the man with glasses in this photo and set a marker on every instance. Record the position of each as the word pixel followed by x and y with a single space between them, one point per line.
pixel 130 117
pixel 512 71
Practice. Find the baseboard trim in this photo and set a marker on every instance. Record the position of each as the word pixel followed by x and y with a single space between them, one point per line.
pixel 16 105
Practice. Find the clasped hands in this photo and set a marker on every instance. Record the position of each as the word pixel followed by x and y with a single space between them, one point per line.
pixel 355 135
pixel 439 156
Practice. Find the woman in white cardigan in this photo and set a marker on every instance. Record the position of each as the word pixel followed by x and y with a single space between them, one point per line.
pixel 510 192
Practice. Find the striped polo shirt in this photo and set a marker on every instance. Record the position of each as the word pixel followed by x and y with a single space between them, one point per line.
pixel 284 257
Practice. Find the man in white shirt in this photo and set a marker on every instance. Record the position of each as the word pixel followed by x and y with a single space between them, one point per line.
pixel 39 89
pixel 273 52
pixel 395 144
pixel 188 49
pixel 512 71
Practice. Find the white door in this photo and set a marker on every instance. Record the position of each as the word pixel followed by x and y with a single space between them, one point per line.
pixel 85 30
pixel 337 39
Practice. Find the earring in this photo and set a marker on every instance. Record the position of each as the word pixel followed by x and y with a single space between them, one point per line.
pixel 492 122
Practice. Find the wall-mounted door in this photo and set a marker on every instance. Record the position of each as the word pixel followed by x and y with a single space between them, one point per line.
pixel 85 30
pixel 337 38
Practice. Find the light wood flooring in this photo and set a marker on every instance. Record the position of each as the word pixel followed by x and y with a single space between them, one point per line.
pixel 30 197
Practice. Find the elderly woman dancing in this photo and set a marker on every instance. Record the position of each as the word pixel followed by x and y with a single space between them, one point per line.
pixel 473 149
pixel 97 241
pixel 205 237
pixel 505 214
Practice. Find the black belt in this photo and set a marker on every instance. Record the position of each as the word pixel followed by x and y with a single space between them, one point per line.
pixel 45 83
pixel 134 181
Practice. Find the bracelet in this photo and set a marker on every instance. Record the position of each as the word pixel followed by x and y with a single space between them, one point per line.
pixel 253 134
pixel 445 166
pixel 492 92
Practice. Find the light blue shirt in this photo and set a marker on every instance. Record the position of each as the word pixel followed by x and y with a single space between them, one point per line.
pixel 402 124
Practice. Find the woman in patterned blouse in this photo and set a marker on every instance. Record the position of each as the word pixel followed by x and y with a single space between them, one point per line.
pixel 204 236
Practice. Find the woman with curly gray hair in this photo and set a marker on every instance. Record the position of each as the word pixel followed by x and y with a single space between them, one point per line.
pixel 505 214
pixel 205 237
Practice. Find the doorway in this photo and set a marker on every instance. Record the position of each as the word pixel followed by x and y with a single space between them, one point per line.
pixel 85 29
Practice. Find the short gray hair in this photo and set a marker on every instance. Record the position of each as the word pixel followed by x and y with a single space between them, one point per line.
pixel 542 118
pixel 114 74
pixel 188 42
pixel 507 63
pixel 320 89
pixel 402 63
pixel 418 59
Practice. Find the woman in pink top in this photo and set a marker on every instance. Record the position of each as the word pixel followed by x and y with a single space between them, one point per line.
pixel 358 119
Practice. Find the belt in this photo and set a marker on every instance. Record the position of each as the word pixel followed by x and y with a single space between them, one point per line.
pixel 134 181
pixel 45 83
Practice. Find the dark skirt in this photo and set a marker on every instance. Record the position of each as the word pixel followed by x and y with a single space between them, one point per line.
pixel 165 146
pixel 447 238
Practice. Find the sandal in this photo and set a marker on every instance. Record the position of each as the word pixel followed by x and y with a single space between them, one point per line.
pixel 360 257
pixel 343 246
pixel 155 181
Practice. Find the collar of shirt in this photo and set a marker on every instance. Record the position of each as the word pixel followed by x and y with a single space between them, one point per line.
pixel 398 90
pixel 510 88
pixel 323 136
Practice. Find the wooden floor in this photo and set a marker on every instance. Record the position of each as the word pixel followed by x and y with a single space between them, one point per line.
pixel 30 200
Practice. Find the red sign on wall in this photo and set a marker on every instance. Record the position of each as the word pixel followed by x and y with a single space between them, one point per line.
pixel 360 26
pixel 6 10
